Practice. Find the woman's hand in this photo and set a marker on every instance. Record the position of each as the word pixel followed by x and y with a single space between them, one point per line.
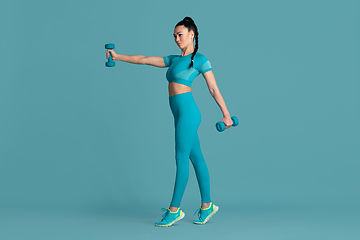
pixel 228 122
pixel 113 54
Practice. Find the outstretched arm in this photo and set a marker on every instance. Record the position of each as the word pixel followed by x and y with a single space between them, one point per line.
pixel 215 93
pixel 137 59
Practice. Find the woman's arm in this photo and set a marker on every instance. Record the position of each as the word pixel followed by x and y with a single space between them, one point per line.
pixel 215 93
pixel 137 59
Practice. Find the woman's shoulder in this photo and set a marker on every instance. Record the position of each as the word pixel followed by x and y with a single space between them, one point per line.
pixel 201 56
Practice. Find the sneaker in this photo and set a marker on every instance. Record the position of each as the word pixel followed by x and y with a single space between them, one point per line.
pixel 169 218
pixel 205 214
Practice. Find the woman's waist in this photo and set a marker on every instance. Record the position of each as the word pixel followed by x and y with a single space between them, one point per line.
pixel 177 88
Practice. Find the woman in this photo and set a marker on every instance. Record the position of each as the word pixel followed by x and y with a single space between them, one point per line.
pixel 182 71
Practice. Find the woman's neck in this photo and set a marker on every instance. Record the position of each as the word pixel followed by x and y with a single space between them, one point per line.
pixel 188 50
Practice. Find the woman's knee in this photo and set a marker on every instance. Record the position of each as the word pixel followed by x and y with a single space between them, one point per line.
pixel 182 158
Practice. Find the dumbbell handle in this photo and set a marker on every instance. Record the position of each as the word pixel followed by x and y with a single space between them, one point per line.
pixel 220 126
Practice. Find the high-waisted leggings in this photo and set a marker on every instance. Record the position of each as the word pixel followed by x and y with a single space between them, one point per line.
pixel 187 118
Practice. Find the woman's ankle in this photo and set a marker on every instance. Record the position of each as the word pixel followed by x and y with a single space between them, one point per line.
pixel 173 209
pixel 205 205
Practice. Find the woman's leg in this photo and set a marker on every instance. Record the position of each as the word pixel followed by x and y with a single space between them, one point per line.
pixel 187 120
pixel 208 209
pixel 201 170
pixel 184 138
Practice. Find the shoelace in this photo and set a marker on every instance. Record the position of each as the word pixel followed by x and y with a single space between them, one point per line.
pixel 199 213
pixel 165 214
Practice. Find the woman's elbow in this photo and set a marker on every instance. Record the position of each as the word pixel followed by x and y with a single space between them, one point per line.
pixel 142 60
pixel 212 92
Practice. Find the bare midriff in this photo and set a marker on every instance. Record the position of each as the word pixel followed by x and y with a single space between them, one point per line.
pixel 177 88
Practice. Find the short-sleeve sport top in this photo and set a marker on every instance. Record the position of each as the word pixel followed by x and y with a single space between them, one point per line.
pixel 179 70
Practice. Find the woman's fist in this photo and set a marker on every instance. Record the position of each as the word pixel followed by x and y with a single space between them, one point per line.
pixel 113 54
pixel 228 122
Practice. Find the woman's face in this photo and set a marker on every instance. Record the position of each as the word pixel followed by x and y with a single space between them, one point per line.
pixel 183 38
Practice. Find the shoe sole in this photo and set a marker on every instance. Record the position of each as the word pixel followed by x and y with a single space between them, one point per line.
pixel 178 219
pixel 207 219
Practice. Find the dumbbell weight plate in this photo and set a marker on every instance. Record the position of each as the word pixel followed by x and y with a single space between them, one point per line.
pixel 220 126
pixel 110 46
pixel 110 64
pixel 235 121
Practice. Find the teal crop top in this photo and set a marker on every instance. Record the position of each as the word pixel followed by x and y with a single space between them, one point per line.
pixel 179 70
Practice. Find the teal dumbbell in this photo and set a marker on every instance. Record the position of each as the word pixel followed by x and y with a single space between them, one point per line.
pixel 220 126
pixel 110 62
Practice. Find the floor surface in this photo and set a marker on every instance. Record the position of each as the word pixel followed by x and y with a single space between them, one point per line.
pixel 245 223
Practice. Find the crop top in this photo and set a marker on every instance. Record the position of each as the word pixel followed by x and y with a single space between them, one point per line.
pixel 179 70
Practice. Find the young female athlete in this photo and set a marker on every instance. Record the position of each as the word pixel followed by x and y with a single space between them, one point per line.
pixel 183 69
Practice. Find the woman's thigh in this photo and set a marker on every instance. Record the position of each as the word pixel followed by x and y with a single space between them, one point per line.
pixel 185 133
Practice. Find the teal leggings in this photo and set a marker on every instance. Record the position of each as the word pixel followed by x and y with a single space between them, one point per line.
pixel 187 118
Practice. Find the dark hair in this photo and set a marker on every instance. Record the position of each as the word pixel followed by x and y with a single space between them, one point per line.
pixel 190 24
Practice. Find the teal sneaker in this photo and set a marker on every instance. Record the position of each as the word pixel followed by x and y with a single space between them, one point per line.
pixel 169 218
pixel 205 214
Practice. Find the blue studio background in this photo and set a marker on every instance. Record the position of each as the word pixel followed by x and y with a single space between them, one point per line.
pixel 88 151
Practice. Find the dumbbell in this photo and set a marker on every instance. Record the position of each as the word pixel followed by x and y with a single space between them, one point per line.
pixel 110 62
pixel 220 126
